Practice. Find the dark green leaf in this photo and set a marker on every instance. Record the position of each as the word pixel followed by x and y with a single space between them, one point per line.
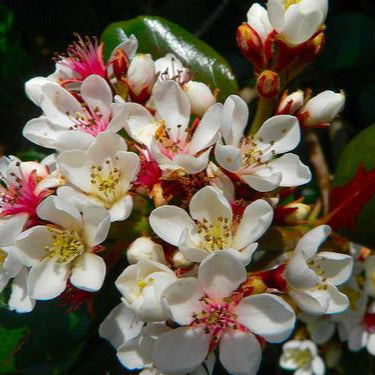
pixel 158 37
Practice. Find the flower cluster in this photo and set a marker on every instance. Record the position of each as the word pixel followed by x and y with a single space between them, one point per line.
pixel 202 282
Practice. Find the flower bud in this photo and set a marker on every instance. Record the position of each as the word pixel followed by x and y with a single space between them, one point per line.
pixel 322 109
pixel 145 248
pixel 290 104
pixel 299 215
pixel 120 63
pixel 141 77
pixel 200 97
pixel 268 84
pixel 179 260
pixel 251 45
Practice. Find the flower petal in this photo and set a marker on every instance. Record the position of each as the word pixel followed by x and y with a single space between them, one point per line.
pixel 20 300
pixel 338 302
pixel 255 221
pixel 10 228
pixel 268 316
pixel 47 279
pixel 229 157
pixel 88 272
pixel 220 274
pixel 210 204
pixel 240 353
pixel 96 224
pixel 168 222
pixel 121 209
pixel 263 181
pixel 182 299
pixel 311 241
pixel 192 164
pixel 313 302
pixel 189 347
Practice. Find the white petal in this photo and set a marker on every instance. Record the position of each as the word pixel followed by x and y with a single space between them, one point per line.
pixel 263 181
pixel 173 107
pixel 210 204
pixel 20 300
pixel 338 302
pixel 11 227
pixel 206 132
pixel 182 300
pixel 240 353
pixel 245 255
pixel 192 164
pixel 60 212
pixel 130 355
pixel 88 272
pixel 311 302
pixel 96 224
pixel 221 181
pixel 33 89
pixel 255 221
pixel 267 315
pixel 41 132
pixel 321 330
pixel 120 325
pixel 47 279
pixel 32 244
pixel 73 140
pixel 293 171
pixel 371 344
pixel 220 274
pixel 311 241
pixel 96 92
pixel 337 267
pixel 275 9
pixel 282 132
pixel 318 366
pixel 122 209
pixel 234 120
pixel 168 222
pixel 357 338
pixel 257 18
pixel 140 125
pixel 189 347
pixel 229 157
pixel 298 274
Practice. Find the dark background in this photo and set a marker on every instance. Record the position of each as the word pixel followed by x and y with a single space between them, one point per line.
pixel 32 31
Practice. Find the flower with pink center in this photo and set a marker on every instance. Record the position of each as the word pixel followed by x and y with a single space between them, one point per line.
pixel 176 146
pixel 68 123
pixel 23 186
pixel 211 314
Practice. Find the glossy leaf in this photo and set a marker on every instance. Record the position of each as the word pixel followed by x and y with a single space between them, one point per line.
pixel 353 193
pixel 158 37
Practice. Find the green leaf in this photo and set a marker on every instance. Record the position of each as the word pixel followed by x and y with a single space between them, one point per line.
pixel 353 194
pixel 158 37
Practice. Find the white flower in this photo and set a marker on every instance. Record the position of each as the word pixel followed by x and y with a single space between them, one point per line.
pixel 170 67
pixel 362 334
pixel 173 144
pixel 64 250
pixel 145 248
pixel 134 341
pixel 302 357
pixel 221 181
pixel 141 77
pixel 257 18
pixel 11 266
pixel 297 20
pixel 322 109
pixel 291 103
pixel 253 158
pixel 67 123
pixel 200 97
pixel 212 226
pixel 142 284
pixel 210 315
pixel 102 175
pixel 312 277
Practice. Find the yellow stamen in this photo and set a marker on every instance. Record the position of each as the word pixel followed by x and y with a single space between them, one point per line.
pixel 3 256
pixel 288 3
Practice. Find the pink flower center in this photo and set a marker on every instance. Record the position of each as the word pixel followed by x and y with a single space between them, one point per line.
pixel 150 172
pixel 17 195
pixel 217 317
pixel 169 147
pixel 89 121
pixel 85 57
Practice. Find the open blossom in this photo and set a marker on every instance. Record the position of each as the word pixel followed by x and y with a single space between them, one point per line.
pixel 23 186
pixel 10 264
pixel 134 341
pixel 170 67
pixel 302 357
pixel 67 123
pixel 211 314
pixel 64 249
pixel 212 226
pixel 173 144
pixel 297 20
pixel 102 175
pixel 142 284
pixel 312 277
pixel 254 158
pixel 145 248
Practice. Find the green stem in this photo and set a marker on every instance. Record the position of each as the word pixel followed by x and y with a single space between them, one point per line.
pixel 265 110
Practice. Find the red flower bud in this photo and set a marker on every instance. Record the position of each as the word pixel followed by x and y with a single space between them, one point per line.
pixel 268 84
